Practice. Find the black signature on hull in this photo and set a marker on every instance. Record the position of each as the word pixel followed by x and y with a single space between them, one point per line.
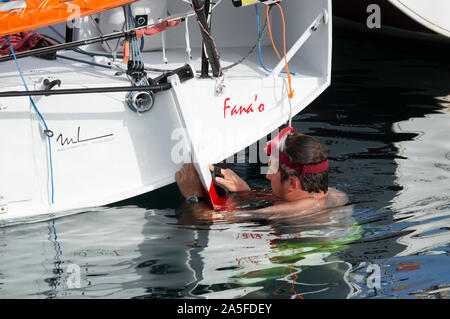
pixel 77 140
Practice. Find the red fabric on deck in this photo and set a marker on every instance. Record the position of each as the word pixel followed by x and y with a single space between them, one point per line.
pixel 22 41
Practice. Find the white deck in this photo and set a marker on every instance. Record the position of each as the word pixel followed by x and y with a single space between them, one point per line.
pixel 77 73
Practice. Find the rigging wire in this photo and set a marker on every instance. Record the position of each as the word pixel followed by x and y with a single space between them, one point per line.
pixel 46 131
pixel 259 39
pixel 252 49
pixel 84 61
pixel 92 54
pixel 100 33
pixel 257 44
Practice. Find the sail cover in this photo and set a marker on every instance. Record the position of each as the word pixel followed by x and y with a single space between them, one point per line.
pixel 23 15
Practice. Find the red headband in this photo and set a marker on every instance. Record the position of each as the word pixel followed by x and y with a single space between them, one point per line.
pixel 284 158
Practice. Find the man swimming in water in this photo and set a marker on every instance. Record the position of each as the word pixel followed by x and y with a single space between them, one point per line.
pixel 298 174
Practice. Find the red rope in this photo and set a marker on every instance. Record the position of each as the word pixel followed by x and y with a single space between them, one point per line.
pixel 22 41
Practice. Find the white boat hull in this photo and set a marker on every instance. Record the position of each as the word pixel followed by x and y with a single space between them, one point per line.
pixel 103 152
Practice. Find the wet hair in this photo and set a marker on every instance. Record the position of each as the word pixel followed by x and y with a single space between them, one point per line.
pixel 305 149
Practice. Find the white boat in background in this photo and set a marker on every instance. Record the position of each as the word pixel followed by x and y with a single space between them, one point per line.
pixel 117 138
pixel 433 14
pixel 417 19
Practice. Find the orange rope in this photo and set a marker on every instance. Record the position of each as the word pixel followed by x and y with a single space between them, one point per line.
pixel 126 51
pixel 295 277
pixel 293 283
pixel 291 91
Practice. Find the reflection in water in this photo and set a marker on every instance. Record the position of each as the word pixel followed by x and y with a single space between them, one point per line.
pixel 385 119
pixel 423 209
pixel 260 259
pixel 425 172
pixel 274 259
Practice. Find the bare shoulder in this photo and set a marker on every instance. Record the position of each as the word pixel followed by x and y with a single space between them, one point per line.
pixel 335 198
pixel 298 207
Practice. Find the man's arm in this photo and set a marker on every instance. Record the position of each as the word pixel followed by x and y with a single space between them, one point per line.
pixel 189 185
pixel 188 182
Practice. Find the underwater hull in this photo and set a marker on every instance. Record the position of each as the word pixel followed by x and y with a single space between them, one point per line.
pixel 103 152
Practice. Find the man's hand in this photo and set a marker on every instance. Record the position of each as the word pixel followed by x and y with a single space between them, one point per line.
pixel 231 181
pixel 188 181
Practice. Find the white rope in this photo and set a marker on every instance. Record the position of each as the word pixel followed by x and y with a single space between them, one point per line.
pixel 286 86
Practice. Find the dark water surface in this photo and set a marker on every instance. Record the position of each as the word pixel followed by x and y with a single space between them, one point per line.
pixel 386 120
